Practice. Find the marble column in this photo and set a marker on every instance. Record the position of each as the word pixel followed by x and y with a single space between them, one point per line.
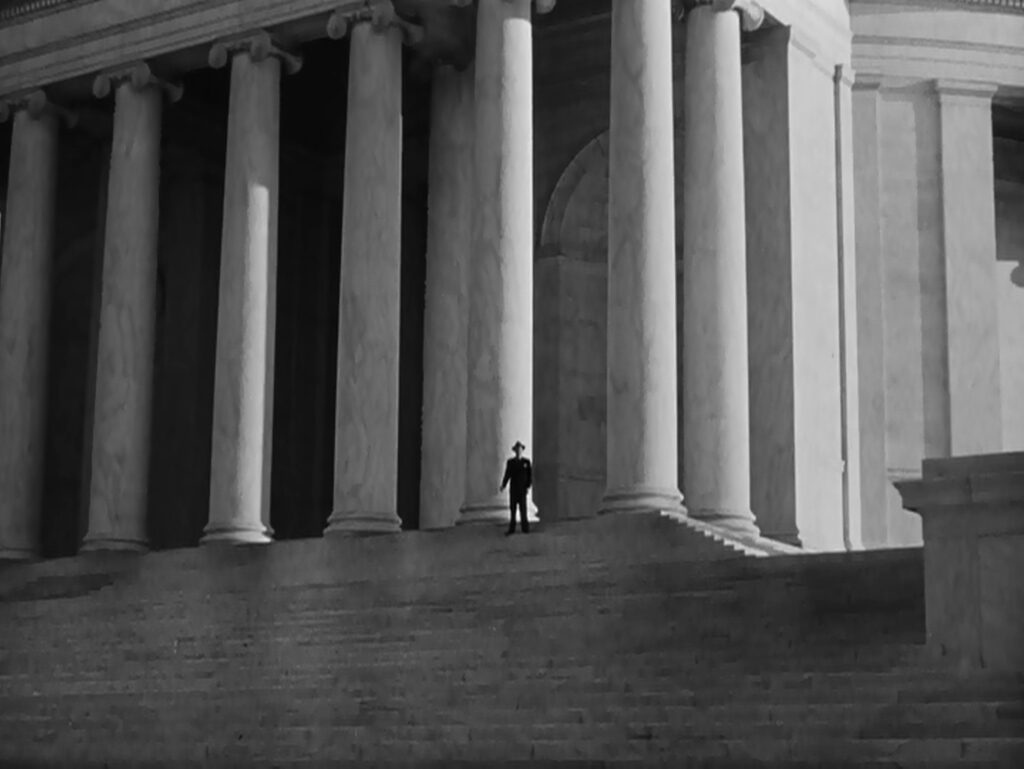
pixel 25 270
pixel 445 319
pixel 244 370
pixel 716 422
pixel 967 186
pixel 124 369
pixel 366 416
pixel 500 378
pixel 641 457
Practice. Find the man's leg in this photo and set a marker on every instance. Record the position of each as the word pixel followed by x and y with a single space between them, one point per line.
pixel 512 515
pixel 523 520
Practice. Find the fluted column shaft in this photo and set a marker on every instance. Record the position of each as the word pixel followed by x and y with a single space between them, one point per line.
pixel 244 370
pixel 716 422
pixel 445 319
pixel 500 378
pixel 366 421
pixel 24 328
pixel 641 457
pixel 124 369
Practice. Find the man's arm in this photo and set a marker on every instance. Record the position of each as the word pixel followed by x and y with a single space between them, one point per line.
pixel 508 473
pixel 529 474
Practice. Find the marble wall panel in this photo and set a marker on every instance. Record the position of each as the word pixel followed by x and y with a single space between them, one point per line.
pixel 793 290
pixel 816 383
pixel 1009 188
pixel 1002 595
pixel 914 295
pixel 969 251
pixel 870 314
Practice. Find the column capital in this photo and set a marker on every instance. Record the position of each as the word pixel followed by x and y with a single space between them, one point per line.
pixel 36 102
pixel 541 6
pixel 140 76
pixel 381 16
pixel 751 13
pixel 259 45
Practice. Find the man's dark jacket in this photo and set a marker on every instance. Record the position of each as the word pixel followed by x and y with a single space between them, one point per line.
pixel 519 475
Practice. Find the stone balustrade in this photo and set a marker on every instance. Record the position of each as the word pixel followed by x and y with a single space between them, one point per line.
pixel 972 509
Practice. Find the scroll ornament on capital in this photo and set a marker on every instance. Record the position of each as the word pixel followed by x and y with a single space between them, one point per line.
pixel 259 45
pixel 139 76
pixel 751 14
pixel 36 103
pixel 380 14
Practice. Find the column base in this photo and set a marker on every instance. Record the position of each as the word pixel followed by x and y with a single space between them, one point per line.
pixel 495 510
pixel 236 535
pixel 18 554
pixel 108 542
pixel 738 522
pixel 641 499
pixel 363 523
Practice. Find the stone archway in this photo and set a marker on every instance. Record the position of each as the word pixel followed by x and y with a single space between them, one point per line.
pixel 570 299
pixel 570 364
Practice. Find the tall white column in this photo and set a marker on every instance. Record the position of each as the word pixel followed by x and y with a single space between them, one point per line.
pixel 25 271
pixel 641 458
pixel 366 418
pixel 445 317
pixel 124 369
pixel 500 380
pixel 244 371
pixel 716 422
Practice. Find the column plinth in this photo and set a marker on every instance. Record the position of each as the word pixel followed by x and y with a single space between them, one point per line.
pixel 500 373
pixel 716 422
pixel 24 324
pixel 445 318
pixel 642 430
pixel 366 420
pixel 244 369
pixel 124 371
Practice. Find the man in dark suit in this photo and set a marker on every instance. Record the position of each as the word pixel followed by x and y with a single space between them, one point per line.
pixel 519 479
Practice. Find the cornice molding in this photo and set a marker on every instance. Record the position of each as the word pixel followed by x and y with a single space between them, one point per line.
pixel 1009 6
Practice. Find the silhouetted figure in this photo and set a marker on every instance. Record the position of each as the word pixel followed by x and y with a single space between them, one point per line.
pixel 519 479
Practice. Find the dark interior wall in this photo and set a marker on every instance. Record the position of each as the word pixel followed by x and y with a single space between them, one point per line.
pixel 82 162
pixel 415 162
pixel 309 248
pixel 191 211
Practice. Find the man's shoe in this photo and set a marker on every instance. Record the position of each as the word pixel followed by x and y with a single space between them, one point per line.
pixel 526 530
pixel 509 532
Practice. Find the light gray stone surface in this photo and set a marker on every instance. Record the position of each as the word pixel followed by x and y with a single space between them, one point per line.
pixel 716 422
pixel 244 369
pixel 500 376
pixel 366 416
pixel 641 401
pixel 122 417
pixel 973 513
pixel 24 327
pixel 446 311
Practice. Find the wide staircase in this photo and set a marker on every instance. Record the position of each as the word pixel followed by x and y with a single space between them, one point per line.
pixel 632 639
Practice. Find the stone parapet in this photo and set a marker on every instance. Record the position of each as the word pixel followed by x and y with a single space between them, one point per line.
pixel 972 509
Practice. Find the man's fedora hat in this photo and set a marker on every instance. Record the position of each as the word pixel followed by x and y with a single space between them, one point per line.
pixel 518 445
